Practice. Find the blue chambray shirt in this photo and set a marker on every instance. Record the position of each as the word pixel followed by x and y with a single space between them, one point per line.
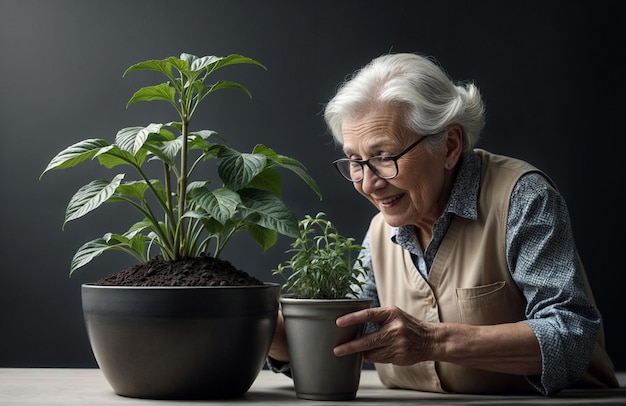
pixel 542 259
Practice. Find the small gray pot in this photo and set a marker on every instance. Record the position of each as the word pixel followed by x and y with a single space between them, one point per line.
pixel 180 342
pixel 312 334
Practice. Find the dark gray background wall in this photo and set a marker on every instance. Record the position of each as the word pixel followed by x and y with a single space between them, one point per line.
pixel 549 72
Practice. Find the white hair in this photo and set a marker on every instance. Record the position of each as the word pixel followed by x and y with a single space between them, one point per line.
pixel 432 102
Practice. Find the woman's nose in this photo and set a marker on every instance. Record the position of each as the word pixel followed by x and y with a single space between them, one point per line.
pixel 370 181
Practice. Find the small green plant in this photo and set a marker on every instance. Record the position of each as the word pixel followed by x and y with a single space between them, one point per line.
pixel 183 216
pixel 324 264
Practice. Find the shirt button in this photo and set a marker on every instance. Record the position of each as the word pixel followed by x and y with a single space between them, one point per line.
pixel 431 301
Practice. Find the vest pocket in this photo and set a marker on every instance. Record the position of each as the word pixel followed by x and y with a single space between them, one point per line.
pixel 486 304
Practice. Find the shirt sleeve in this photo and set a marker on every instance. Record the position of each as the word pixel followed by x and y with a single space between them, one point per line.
pixel 543 261
pixel 368 288
pixel 279 367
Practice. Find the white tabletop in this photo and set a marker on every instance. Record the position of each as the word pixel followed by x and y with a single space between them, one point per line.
pixel 88 387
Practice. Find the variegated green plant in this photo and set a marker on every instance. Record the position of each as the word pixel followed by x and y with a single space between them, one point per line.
pixel 190 216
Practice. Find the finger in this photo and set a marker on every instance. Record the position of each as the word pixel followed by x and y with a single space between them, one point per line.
pixel 375 315
pixel 362 344
pixel 387 354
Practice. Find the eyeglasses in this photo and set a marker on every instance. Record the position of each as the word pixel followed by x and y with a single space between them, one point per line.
pixel 385 167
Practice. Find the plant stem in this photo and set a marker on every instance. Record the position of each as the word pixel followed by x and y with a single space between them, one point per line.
pixel 182 190
pixel 169 220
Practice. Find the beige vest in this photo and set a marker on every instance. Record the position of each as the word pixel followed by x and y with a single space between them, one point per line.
pixel 482 293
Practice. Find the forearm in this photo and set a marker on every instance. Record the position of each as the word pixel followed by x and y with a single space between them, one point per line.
pixel 506 348
pixel 278 350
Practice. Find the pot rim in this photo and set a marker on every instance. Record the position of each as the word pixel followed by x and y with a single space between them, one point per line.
pixel 289 298
pixel 93 285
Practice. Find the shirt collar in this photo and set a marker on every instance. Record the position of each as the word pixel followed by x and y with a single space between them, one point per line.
pixel 463 197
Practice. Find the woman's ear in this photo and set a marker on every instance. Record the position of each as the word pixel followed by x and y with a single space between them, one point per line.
pixel 454 144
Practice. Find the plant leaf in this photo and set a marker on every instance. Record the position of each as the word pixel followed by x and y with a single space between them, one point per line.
pixel 220 204
pixel 264 236
pixel 87 252
pixel 308 179
pixel 138 228
pixel 131 139
pixel 238 169
pixel 269 179
pixel 200 140
pixel 271 211
pixel 198 64
pixel 137 243
pixel 235 59
pixel 204 134
pixel 168 151
pixel 113 156
pixel 164 66
pixel 90 197
pixel 164 91
pixel 197 184
pixel 223 84
pixel 94 248
pixel 211 225
pixel 76 153
pixel 289 163
pixel 135 189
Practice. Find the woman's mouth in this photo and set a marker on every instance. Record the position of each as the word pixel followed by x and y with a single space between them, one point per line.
pixel 390 201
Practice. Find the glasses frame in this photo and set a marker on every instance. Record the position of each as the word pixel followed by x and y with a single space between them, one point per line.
pixel 363 162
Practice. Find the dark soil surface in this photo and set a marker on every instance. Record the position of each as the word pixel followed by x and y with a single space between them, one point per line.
pixel 197 271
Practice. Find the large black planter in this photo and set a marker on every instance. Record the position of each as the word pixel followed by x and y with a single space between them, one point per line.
pixel 180 342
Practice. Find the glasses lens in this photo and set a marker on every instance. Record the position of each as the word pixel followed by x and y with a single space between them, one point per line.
pixel 356 171
pixel 345 168
pixel 385 167
pixel 350 170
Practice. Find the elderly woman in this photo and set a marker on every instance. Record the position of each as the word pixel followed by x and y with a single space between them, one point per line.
pixel 476 278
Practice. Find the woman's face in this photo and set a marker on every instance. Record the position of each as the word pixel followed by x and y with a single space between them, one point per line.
pixel 419 194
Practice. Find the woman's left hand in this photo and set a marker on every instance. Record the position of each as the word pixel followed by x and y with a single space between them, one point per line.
pixel 401 339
